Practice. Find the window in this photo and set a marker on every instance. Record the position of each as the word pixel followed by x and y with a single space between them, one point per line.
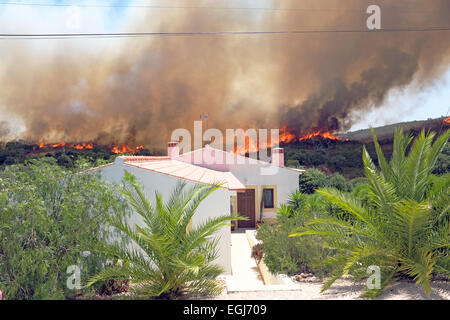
pixel 268 198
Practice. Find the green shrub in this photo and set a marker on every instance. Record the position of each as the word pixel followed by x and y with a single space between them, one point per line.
pixel 291 255
pixel 293 164
pixel 314 179
pixel 49 217
pixel 442 165
pixel 353 183
pixel 311 180
pixel 317 158
pixel 337 162
pixel 338 181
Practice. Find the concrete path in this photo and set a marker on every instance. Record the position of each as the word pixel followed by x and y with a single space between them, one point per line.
pixel 246 276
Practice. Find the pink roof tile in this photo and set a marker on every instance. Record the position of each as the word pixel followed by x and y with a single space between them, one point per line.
pixel 185 171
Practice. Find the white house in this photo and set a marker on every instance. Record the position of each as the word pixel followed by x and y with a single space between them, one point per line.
pixel 250 187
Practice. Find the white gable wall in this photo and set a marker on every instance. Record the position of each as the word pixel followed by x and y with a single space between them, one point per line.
pixel 216 204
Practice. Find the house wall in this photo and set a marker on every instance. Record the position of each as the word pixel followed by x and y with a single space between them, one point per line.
pixel 249 172
pixel 216 204
pixel 285 180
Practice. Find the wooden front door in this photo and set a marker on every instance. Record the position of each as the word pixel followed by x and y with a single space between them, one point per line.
pixel 246 208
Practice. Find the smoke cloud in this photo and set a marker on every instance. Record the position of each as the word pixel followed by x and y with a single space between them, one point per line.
pixel 138 90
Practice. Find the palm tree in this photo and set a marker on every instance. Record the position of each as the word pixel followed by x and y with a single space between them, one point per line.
pixel 404 227
pixel 166 257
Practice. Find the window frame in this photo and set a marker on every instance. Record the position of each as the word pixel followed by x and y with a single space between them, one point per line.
pixel 274 198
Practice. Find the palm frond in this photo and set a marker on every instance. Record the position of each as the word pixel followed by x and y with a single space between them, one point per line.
pixel 163 257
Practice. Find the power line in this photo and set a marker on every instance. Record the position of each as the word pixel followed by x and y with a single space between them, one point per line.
pixel 150 6
pixel 208 33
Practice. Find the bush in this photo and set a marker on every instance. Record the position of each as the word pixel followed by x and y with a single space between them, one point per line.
pixel 293 164
pixel 314 179
pixel 443 162
pixel 338 181
pixel 311 180
pixel 50 219
pixel 317 158
pixel 291 255
pixel 65 161
pixel 337 162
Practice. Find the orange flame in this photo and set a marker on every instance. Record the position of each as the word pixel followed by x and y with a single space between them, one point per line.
pixel 285 136
pixel 82 146
pixel 63 144
pixel 58 145
pixel 323 134
pixel 251 146
pixel 126 149
pixel 447 120
pixel 89 146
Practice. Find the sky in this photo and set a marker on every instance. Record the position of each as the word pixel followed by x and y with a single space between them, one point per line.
pixel 405 105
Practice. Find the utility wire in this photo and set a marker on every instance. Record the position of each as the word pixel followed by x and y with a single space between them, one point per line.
pixel 150 6
pixel 210 33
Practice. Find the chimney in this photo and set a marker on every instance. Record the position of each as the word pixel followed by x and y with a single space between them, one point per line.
pixel 173 150
pixel 278 157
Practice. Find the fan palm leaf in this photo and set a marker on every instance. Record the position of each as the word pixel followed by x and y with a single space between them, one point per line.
pixel 404 227
pixel 163 256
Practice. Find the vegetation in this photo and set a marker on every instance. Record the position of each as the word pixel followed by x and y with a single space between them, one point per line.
pixel 344 157
pixel 443 161
pixel 314 179
pixel 330 157
pixel 165 257
pixel 17 152
pixel 402 226
pixel 49 220
pixel 288 255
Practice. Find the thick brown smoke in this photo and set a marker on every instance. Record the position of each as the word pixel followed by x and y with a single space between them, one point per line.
pixel 138 90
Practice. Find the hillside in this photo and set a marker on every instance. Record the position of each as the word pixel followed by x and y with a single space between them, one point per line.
pixel 387 132
pixel 345 156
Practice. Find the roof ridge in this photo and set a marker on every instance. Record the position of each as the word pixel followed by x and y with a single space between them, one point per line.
pixel 143 158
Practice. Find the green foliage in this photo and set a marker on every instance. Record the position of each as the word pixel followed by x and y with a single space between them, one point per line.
pixel 403 225
pixel 338 181
pixel 311 180
pixel 48 217
pixel 165 258
pixel 288 255
pixel 314 179
pixel 337 162
pixel 293 164
pixel 443 162
pixel 65 161
pixel 317 158
pixel 16 152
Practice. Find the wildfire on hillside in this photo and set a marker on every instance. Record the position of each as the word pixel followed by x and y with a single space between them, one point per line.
pixel 286 136
pixel 319 134
pixel 89 146
pixel 126 149
pixel 63 144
